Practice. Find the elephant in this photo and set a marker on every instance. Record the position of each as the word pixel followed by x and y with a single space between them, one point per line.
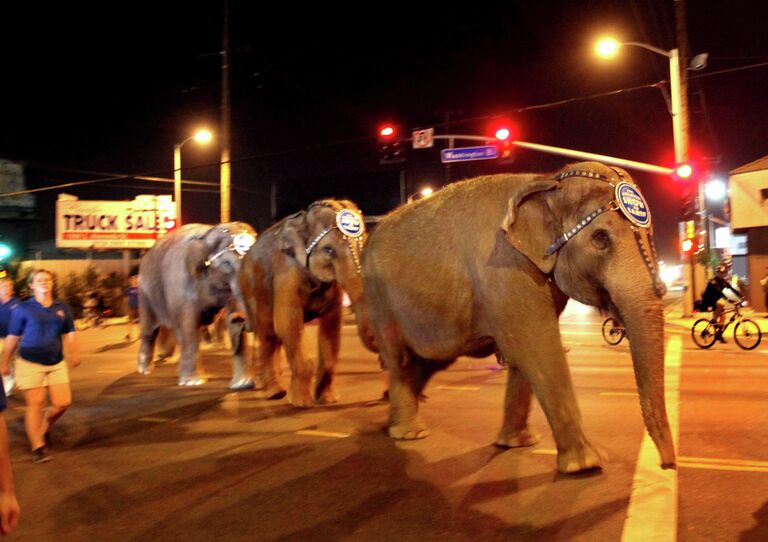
pixel 185 279
pixel 487 264
pixel 293 274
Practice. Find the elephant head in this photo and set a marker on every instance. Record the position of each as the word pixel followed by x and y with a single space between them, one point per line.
pixel 216 255
pixel 327 239
pixel 589 228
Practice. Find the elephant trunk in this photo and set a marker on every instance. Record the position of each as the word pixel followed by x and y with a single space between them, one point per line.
pixel 644 324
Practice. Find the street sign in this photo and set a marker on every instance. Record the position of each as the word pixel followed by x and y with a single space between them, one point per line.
pixel 423 139
pixel 466 154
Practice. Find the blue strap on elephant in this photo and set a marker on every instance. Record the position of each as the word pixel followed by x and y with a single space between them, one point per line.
pixel 632 204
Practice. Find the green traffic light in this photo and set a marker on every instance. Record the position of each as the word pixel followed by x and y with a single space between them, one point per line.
pixel 5 251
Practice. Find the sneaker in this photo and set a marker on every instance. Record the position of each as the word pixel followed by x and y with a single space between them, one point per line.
pixel 40 455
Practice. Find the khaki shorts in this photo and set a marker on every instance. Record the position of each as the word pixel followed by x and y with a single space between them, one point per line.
pixel 30 375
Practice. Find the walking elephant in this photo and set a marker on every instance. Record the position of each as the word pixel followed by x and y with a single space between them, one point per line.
pixel 294 274
pixel 185 279
pixel 487 264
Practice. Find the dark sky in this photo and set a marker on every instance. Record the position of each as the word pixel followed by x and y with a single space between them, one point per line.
pixel 89 88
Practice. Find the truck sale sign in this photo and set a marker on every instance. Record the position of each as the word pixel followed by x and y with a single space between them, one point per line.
pixel 93 225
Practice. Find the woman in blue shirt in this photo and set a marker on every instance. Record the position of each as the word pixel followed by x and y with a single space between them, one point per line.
pixel 37 327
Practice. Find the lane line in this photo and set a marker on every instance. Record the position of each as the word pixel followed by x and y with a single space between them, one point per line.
pixel 459 388
pixel 314 433
pixel 652 511
pixel 742 465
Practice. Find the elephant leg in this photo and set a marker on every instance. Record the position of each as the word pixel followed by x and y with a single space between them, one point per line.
pixel 241 380
pixel 148 330
pixel 517 405
pixel 186 331
pixel 405 385
pixel 147 339
pixel 329 340
pixel 166 338
pixel 266 380
pixel 541 359
pixel 300 391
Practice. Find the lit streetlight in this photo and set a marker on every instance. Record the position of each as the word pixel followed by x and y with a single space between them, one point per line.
pixel 201 136
pixel 609 47
pixel 421 194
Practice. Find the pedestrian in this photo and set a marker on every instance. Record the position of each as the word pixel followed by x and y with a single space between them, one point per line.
pixel 132 298
pixel 9 505
pixel 764 284
pixel 8 303
pixel 37 327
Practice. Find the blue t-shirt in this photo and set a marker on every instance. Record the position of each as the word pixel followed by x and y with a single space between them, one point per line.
pixel 2 398
pixel 5 314
pixel 132 293
pixel 40 329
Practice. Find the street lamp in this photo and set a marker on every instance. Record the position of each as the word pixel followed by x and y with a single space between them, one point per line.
pixel 421 194
pixel 201 136
pixel 609 47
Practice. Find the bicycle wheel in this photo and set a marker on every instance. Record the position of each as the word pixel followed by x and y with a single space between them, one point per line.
pixel 704 333
pixel 612 331
pixel 747 334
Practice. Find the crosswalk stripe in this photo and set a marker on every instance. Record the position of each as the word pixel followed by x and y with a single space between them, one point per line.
pixel 314 433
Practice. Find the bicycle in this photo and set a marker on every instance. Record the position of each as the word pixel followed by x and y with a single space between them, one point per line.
pixel 613 331
pixel 746 333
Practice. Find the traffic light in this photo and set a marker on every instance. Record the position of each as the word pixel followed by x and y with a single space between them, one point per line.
pixel 391 145
pixel 504 144
pixel 688 205
pixel 688 238
pixel 683 172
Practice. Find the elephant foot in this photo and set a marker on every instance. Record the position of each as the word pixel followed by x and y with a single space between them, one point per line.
pixel 193 380
pixel 301 401
pixel 327 397
pixel 272 393
pixel 578 460
pixel 518 439
pixel 408 431
pixel 144 369
pixel 244 383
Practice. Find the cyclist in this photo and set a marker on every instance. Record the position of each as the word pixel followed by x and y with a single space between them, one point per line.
pixel 714 293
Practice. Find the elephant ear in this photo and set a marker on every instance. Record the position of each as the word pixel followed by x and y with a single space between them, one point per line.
pixel 196 254
pixel 530 225
pixel 293 236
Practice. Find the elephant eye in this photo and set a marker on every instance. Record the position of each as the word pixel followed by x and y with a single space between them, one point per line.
pixel 601 239
pixel 329 252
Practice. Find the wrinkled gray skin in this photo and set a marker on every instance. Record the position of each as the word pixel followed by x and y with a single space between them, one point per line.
pixel 179 291
pixel 282 294
pixel 442 277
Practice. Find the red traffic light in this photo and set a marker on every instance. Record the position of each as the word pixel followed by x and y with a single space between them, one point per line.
pixel 686 245
pixel 503 133
pixel 683 172
pixel 387 131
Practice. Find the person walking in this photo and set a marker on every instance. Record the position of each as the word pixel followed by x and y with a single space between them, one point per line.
pixel 8 303
pixel 132 297
pixel 37 327
pixel 9 505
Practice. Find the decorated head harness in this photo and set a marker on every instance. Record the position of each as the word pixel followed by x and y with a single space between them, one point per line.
pixel 632 204
pixel 242 241
pixel 351 226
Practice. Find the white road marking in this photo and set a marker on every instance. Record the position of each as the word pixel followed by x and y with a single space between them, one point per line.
pixel 314 433
pixel 458 388
pixel 652 511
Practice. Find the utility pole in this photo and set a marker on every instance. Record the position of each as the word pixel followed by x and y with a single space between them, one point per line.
pixel 225 120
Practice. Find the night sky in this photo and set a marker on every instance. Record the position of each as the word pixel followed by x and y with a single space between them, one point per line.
pixel 87 88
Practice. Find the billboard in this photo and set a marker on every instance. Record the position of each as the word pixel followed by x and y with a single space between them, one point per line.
pixel 94 225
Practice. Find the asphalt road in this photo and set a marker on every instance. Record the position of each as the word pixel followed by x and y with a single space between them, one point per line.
pixel 137 458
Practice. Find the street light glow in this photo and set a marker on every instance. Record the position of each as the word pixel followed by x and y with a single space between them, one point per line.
pixel 607 47
pixel 426 192
pixel 203 136
pixel 715 190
